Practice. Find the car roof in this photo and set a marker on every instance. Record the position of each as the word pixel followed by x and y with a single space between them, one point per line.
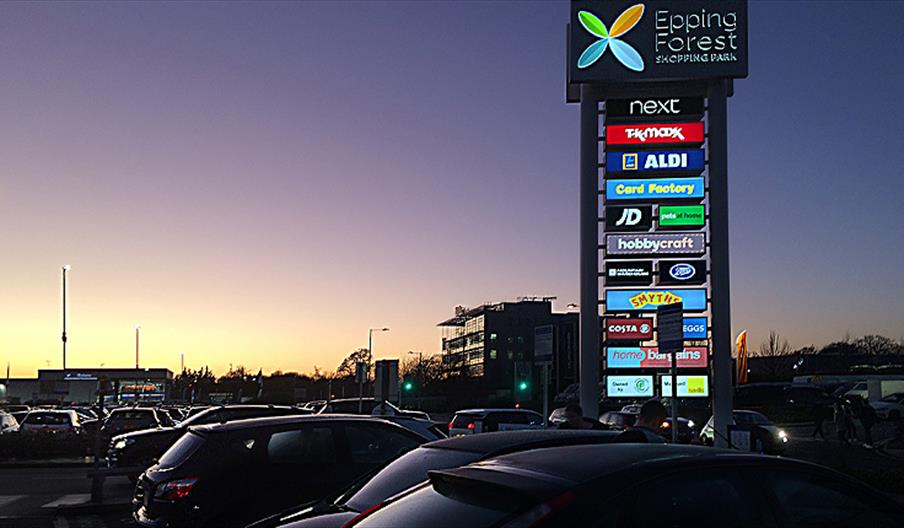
pixel 506 440
pixel 276 421
pixel 487 411
pixel 542 471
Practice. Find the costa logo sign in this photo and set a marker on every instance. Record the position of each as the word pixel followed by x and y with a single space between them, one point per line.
pixel 650 357
pixel 634 273
pixel 639 328
pixel 654 133
pixel 634 218
pixel 682 272
pixel 669 160
pixel 657 107
pixel 647 300
pixel 655 189
pixel 656 244
pixel 694 327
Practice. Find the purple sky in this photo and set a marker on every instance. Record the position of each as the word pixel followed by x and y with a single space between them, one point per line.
pixel 260 183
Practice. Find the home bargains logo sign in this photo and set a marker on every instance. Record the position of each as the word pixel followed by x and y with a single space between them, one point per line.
pixel 650 357
pixel 654 134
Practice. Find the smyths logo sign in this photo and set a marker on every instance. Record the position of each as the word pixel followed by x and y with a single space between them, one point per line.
pixel 654 134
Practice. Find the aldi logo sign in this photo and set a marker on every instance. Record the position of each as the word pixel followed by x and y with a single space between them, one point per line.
pixel 647 300
pixel 654 134
pixel 655 189
pixel 666 160
pixel 650 357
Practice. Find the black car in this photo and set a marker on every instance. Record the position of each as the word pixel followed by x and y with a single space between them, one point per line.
pixel 231 474
pixel 412 467
pixel 634 486
pixel 370 406
pixel 138 449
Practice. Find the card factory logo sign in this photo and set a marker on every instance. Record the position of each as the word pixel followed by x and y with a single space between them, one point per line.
pixel 648 300
pixel 650 357
pixel 668 39
pixel 654 133
pixel 671 160
pixel 656 244
pixel 660 188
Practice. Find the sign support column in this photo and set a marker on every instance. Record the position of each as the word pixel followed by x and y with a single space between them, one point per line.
pixel 590 319
pixel 717 132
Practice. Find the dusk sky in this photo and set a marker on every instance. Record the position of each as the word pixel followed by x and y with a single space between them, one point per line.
pixel 260 183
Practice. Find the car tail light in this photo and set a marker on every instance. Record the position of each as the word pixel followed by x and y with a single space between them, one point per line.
pixel 175 490
pixel 665 425
pixel 450 425
pixel 471 426
pixel 360 517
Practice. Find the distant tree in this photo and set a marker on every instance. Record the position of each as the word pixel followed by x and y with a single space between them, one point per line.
pixel 774 346
pixel 777 360
pixel 840 348
pixel 876 345
pixel 346 369
pixel 425 369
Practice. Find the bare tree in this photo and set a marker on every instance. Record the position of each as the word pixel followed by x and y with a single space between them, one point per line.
pixel 424 369
pixel 774 346
pixel 777 359
pixel 876 345
pixel 346 369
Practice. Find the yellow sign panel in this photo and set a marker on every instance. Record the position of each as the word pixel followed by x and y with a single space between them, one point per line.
pixel 654 298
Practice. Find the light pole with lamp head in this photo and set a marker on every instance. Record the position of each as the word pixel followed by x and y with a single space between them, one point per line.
pixel 137 334
pixel 370 350
pixel 66 268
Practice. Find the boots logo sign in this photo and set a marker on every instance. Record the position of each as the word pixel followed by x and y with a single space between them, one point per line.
pixel 672 160
pixel 634 218
pixel 654 133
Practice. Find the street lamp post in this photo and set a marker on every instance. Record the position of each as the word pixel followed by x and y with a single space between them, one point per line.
pixel 370 350
pixel 137 334
pixel 66 268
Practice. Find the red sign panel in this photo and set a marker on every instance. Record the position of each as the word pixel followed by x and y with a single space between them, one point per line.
pixel 650 357
pixel 637 328
pixel 654 134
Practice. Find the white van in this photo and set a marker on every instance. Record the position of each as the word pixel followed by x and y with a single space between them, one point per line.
pixel 473 421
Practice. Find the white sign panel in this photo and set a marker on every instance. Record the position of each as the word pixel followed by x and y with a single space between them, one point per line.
pixel 629 386
pixel 688 386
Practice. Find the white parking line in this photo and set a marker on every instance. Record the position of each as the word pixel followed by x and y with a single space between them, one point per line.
pixel 6 499
pixel 68 500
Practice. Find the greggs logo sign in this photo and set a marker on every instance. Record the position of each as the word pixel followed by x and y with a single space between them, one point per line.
pixel 650 357
pixel 656 133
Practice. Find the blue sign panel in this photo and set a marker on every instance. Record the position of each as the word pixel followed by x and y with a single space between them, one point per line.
pixel 695 327
pixel 662 188
pixel 663 160
pixel 648 300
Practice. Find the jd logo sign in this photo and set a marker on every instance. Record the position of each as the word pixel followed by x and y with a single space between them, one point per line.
pixel 670 160
pixel 637 218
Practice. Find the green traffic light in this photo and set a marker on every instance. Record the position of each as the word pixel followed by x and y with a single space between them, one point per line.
pixel 408 386
pixel 522 385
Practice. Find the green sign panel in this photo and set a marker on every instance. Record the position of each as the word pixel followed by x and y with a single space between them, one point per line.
pixel 681 215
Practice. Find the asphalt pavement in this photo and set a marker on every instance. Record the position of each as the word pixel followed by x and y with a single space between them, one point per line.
pixel 34 498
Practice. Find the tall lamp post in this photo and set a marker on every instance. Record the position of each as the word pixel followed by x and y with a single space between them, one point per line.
pixel 137 337
pixel 370 350
pixel 66 268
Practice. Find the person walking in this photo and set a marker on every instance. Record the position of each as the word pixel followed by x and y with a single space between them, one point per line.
pixel 819 416
pixel 867 416
pixel 840 422
pixel 575 419
pixel 646 428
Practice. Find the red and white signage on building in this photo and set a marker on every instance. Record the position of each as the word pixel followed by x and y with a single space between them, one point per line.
pixel 638 328
pixel 654 134
pixel 650 357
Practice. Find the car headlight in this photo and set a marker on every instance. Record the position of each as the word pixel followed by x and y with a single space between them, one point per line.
pixel 123 443
pixel 783 435
pixel 691 424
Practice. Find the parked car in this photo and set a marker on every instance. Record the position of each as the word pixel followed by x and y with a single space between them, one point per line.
pixel 618 420
pixel 636 485
pixel 771 438
pixel 788 402
pixel 412 467
pixel 138 449
pixel 890 407
pixel 127 419
pixel 19 415
pixel 54 421
pixel 230 474
pixel 875 389
pixel 429 430
pixel 474 421
pixel 369 406
pixel 8 423
pixel 687 430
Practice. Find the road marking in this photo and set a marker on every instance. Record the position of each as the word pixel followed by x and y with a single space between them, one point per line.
pixel 6 499
pixel 68 500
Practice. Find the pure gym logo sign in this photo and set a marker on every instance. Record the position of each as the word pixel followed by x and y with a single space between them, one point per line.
pixel 656 244
pixel 665 40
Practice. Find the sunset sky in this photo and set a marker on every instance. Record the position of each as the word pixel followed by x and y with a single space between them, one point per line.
pixel 259 183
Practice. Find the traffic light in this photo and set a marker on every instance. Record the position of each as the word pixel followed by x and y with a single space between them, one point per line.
pixel 407 384
pixel 523 386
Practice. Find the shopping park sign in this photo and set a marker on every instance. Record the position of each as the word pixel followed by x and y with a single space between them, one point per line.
pixel 650 357
pixel 617 41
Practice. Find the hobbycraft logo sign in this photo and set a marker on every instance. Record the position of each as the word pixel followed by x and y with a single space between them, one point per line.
pixel 666 39
pixel 654 133
pixel 650 357
pixel 656 244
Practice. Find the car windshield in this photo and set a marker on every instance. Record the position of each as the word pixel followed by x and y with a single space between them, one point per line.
pixel 181 450
pixel 408 470
pixel 47 419
pixel 133 415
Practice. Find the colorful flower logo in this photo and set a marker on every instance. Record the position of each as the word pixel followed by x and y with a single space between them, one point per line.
pixel 624 52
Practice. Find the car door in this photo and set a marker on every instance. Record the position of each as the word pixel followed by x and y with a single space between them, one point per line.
pixel 370 445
